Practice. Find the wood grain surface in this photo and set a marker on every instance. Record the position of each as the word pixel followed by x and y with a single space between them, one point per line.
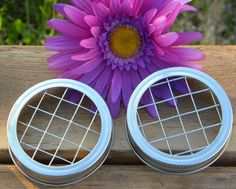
pixel 23 66
pixel 132 177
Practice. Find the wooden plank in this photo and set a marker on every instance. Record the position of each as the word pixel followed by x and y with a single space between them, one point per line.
pixel 24 66
pixel 132 177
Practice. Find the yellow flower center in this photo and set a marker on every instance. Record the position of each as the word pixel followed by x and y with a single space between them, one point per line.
pixel 124 42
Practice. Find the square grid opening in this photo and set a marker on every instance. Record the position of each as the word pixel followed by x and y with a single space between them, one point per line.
pixel 186 120
pixel 52 129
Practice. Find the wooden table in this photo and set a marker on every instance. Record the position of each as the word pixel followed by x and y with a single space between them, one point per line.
pixel 23 66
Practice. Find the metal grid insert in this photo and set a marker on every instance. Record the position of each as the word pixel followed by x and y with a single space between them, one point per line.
pixel 176 134
pixel 66 141
pixel 179 120
pixel 59 132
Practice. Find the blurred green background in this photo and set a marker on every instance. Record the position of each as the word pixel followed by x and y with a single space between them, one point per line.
pixel 25 22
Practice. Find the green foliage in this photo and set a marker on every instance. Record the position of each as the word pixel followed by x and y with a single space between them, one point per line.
pixel 216 19
pixel 25 21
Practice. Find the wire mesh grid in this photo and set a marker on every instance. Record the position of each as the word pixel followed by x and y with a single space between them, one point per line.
pixel 186 122
pixel 56 131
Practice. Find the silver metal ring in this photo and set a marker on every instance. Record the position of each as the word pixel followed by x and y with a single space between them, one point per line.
pixel 71 170
pixel 186 158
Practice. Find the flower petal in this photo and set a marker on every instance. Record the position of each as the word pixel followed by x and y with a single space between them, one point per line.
pixel 137 7
pixel 115 6
pixel 171 19
pixel 143 73
pixel 188 8
pixel 62 44
pixel 114 107
pixel 126 7
pixel 159 63
pixel 188 54
pixel 91 20
pixel 62 61
pixel 135 78
pixel 91 76
pixel 169 6
pixel 87 56
pixel 105 91
pixel 157 25
pixel 100 10
pixel 181 86
pixel 76 16
pixel 116 86
pixel 153 4
pixel 166 94
pixel 141 63
pixel 126 87
pixel 83 5
pixel 84 68
pixel 187 37
pixel 149 16
pixel 168 56
pixel 68 28
pixel 158 50
pixel 103 80
pixel 152 68
pixel 156 92
pixel 166 39
pixel 89 43
pixel 95 31
pixel 73 96
pixel 147 99
pixel 59 7
pixel 172 59
pixel 106 2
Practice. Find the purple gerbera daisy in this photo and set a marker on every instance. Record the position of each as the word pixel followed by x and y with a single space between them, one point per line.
pixel 112 45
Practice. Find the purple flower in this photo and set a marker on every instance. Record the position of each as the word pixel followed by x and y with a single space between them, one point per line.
pixel 112 45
